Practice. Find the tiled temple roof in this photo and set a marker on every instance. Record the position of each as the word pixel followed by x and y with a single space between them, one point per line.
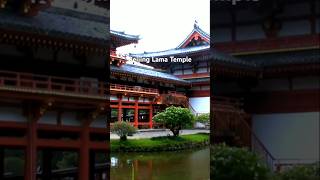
pixel 124 35
pixel 60 22
pixel 196 29
pixel 208 54
pixel 284 58
pixel 149 73
pixel 175 51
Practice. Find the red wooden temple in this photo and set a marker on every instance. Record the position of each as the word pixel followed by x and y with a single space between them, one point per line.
pixel 267 97
pixel 138 92
pixel 196 46
pixel 53 106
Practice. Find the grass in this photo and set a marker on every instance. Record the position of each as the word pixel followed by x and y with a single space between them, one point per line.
pixel 161 143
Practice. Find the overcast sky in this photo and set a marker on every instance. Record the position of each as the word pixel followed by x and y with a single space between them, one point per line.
pixel 161 24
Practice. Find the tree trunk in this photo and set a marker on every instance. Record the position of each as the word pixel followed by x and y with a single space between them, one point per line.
pixel 123 138
pixel 175 132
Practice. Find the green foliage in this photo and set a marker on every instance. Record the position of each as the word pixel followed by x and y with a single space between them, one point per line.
pixel 175 118
pixel 161 143
pixel 302 172
pixel 123 129
pixel 14 165
pixel 236 163
pixel 68 160
pixel 203 118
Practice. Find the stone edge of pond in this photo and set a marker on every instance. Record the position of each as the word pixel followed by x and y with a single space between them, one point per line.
pixel 173 147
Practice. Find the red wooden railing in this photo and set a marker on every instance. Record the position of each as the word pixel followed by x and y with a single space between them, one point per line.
pixel 133 89
pixel 29 81
pixel 232 107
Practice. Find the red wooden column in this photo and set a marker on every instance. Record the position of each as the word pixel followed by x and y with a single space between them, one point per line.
pixel 47 164
pixel 150 116
pixel 136 112
pixel 33 115
pixel 119 107
pixel 84 151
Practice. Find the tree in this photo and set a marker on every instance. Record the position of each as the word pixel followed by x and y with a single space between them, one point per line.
pixel 203 118
pixel 123 129
pixel 175 118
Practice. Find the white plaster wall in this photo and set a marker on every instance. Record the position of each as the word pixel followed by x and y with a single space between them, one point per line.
pixel 70 118
pixel 289 135
pixel 202 70
pixel 295 28
pixel 250 32
pixel 49 117
pixel 200 104
pixel 11 114
pixel 221 35
pixel 188 71
pixel 112 97
pixel 100 122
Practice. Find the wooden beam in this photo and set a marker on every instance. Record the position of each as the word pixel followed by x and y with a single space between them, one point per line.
pixel 13 142
pixel 59 144
pixel 99 146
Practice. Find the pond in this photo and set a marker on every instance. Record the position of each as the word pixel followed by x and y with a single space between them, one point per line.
pixel 186 165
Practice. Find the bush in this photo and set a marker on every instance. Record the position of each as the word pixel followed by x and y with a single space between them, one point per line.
pixel 203 118
pixel 303 172
pixel 123 129
pixel 236 163
pixel 175 118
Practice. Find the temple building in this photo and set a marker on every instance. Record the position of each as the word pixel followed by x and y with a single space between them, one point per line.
pixel 53 103
pixel 267 97
pixel 196 48
pixel 139 91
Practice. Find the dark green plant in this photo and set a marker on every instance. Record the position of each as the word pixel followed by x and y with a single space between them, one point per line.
pixel 123 129
pixel 175 119
pixel 302 172
pixel 236 163
pixel 203 118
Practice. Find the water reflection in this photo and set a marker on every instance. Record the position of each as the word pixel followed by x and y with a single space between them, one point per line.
pixel 186 165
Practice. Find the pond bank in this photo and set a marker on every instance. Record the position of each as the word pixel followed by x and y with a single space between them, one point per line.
pixel 156 144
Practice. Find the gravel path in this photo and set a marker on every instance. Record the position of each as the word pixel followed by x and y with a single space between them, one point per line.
pixel 149 133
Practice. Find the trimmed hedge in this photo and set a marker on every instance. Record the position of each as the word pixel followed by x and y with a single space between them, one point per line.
pixel 161 143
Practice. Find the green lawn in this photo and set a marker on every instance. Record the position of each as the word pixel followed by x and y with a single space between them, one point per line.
pixel 161 143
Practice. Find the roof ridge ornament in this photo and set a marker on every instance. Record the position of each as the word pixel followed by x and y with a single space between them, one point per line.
pixel 195 25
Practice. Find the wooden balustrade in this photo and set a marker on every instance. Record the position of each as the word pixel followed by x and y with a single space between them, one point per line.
pixel 133 89
pixel 28 81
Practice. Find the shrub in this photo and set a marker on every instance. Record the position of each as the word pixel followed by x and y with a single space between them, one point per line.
pixel 123 129
pixel 236 163
pixel 203 118
pixel 175 118
pixel 302 172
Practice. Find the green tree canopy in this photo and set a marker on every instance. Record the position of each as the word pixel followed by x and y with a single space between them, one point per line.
pixel 123 129
pixel 175 118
